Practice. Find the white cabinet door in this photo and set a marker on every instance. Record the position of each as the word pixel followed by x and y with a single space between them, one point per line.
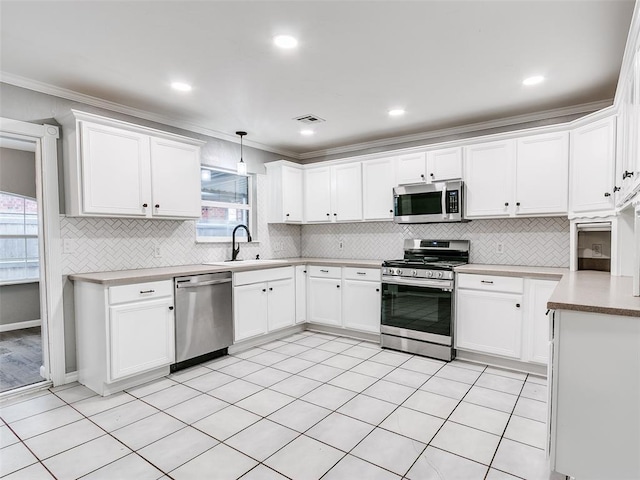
pixel 249 310
pixel 292 194
pixel 346 200
pixel 489 322
pixel 537 336
pixel 317 195
pixel 542 174
pixel 115 171
pixel 141 337
pixel 592 166
pixel 489 177
pixel 282 301
pixel 301 293
pixel 378 180
pixel 361 305
pixel 324 301
pixel 444 164
pixel 175 179
pixel 411 168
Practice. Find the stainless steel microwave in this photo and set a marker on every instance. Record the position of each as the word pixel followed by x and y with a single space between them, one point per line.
pixel 429 202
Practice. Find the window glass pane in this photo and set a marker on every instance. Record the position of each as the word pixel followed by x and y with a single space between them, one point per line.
pixel 31 224
pixel 12 224
pixel 12 249
pixel 220 222
pixel 224 187
pixel 18 253
pixel 13 271
pixel 32 249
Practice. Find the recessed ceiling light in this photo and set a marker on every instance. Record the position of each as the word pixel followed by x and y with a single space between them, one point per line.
pixel 396 112
pixel 181 86
pixel 307 132
pixel 285 41
pixel 533 80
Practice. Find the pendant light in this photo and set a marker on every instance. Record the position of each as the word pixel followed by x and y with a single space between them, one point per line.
pixel 241 167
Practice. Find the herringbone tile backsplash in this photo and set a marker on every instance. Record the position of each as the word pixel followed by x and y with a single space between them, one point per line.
pixel 106 244
pixel 527 241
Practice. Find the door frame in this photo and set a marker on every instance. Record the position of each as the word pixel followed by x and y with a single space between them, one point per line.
pixel 45 138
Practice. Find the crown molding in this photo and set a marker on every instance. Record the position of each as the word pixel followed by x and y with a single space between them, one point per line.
pixel 49 89
pixel 473 127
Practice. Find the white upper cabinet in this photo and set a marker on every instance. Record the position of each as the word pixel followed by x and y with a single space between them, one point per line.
pixel 175 179
pixel 285 192
pixel 317 195
pixel 489 179
pixel 542 173
pixel 117 169
pixel 592 166
pixel 333 194
pixel 114 164
pixel 378 180
pixel 411 168
pixel 445 164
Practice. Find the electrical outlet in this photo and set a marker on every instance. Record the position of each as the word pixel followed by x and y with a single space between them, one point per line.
pixel 68 245
pixel 500 248
pixel 341 245
pixel 278 246
pixel 157 252
pixel 596 248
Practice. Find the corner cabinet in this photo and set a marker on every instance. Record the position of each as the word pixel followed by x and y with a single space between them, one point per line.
pixel 125 334
pixel 117 169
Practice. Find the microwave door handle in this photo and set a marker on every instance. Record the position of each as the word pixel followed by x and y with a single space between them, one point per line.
pixel 444 201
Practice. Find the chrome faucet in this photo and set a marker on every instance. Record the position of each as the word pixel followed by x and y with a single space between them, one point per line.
pixel 236 250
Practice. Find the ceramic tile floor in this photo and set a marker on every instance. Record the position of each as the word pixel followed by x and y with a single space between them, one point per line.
pixel 309 406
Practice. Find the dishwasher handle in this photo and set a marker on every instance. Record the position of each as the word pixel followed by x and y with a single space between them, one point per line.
pixel 188 284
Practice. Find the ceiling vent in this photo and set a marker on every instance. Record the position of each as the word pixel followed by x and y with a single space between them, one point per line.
pixel 309 119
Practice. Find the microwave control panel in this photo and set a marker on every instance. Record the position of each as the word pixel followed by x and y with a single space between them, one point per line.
pixel 453 201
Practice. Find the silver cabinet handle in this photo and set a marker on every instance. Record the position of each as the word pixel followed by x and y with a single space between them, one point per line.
pixel 490 282
pixel 361 273
pixel 324 271
pixel 142 292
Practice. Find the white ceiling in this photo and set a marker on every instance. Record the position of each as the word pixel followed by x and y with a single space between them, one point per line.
pixel 449 63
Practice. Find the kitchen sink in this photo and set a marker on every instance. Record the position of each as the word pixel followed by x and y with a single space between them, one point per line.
pixel 243 262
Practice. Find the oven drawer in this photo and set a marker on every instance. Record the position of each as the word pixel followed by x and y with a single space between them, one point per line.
pixel 327 272
pixel 351 273
pixel 491 283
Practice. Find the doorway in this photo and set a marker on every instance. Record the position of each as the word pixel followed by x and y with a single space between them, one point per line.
pixel 31 320
pixel 20 317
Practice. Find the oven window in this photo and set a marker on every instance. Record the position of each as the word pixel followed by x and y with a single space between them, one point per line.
pixel 419 204
pixel 417 308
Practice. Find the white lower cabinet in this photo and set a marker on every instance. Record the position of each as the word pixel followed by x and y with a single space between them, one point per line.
pixel 489 322
pixel 263 301
pixel 503 316
pixel 301 293
pixel 125 334
pixel 345 297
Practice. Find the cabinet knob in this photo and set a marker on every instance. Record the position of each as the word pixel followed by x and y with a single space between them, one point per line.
pixel 517 305
pixel 506 204
pixel 422 176
pixel 270 289
pixel 304 271
pixel 157 205
pixel 517 204
pixel 170 308
pixel 431 175
pixel 616 189
pixel 377 289
pixel 627 174
pixel 390 211
pixel 607 194
pixel 335 214
pixel 144 205
pixel 287 214
pixel 328 214
pixel 338 286
pixel 264 289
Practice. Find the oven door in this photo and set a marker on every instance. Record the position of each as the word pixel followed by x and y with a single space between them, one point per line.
pixel 418 311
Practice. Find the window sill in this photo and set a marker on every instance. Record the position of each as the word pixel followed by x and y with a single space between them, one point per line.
pixel 4 283
pixel 226 240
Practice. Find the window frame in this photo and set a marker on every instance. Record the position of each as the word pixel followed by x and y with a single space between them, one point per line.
pixel 250 206
pixel 25 236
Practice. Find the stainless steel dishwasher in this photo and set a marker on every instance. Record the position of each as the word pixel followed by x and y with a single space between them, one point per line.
pixel 204 318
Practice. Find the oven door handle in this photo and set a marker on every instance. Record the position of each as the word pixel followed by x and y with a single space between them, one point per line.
pixel 444 285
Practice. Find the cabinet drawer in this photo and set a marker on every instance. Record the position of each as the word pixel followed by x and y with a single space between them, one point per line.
pixel 263 275
pixel 140 291
pixel 326 272
pixel 490 283
pixel 372 274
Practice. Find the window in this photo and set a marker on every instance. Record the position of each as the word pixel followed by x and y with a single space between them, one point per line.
pixel 18 238
pixel 226 203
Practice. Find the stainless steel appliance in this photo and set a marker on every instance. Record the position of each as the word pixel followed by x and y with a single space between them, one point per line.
pixel 204 320
pixel 429 202
pixel 418 297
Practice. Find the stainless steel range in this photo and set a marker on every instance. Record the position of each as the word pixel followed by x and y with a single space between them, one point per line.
pixel 418 297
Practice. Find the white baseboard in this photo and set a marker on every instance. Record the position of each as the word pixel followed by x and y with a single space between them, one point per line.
pixel 20 325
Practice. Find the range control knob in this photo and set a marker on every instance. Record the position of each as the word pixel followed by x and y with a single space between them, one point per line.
pixel 399 271
pixel 440 274
pixel 414 273
pixel 429 274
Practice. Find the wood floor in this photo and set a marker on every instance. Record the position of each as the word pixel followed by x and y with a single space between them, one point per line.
pixel 20 358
